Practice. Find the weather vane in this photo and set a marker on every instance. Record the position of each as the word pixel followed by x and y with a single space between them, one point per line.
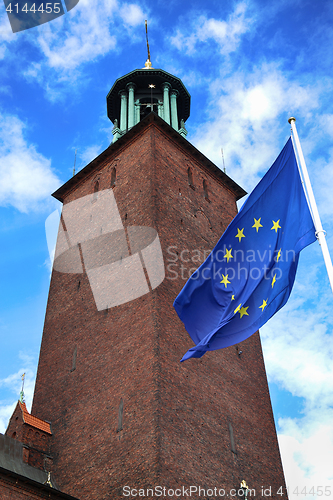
pixel 22 392
pixel 148 62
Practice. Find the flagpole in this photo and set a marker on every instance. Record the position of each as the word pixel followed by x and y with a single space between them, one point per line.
pixel 320 233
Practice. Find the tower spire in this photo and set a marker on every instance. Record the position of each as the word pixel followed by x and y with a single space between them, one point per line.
pixel 148 62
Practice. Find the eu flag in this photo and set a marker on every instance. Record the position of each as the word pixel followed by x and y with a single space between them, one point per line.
pixel 249 275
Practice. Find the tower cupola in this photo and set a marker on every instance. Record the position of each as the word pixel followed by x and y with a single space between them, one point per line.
pixel 142 91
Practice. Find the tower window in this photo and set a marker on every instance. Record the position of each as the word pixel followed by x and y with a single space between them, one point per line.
pixel 96 189
pixel 232 438
pixel 204 184
pixel 120 415
pixel 74 359
pixel 190 177
pixel 113 177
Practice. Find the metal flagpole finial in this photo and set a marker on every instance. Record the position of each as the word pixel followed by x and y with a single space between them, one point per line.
pixel 148 62
pixel 291 119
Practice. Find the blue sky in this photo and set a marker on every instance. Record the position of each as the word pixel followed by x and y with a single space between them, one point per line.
pixel 248 66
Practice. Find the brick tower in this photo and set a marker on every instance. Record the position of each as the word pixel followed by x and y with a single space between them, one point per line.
pixel 124 411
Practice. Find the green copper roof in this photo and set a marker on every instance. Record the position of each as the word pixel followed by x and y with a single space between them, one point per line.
pixel 142 78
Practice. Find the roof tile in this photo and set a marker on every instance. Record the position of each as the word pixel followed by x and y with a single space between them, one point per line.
pixel 36 422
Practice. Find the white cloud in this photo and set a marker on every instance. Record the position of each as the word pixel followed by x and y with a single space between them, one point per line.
pixel 26 176
pixel 6 412
pixel 308 457
pixel 245 108
pixel 89 153
pixel 84 35
pixel 298 353
pixel 131 14
pixel 6 34
pixel 81 35
pixel 226 34
pixel 33 70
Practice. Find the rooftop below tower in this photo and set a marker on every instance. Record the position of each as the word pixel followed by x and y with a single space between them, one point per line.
pixel 141 91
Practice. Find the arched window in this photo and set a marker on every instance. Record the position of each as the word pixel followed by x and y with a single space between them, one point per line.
pixel 14 435
pixel 190 177
pixel 113 177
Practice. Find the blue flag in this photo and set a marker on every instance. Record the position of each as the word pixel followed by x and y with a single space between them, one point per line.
pixel 249 275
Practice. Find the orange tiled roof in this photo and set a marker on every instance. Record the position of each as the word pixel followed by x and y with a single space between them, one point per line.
pixel 36 422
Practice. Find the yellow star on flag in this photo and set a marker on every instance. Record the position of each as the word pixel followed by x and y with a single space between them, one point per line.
pixel 243 311
pixel 276 225
pixel 228 255
pixel 237 309
pixel 257 223
pixel 273 280
pixel 263 305
pixel 278 255
pixel 225 280
pixel 240 234
pixel 232 297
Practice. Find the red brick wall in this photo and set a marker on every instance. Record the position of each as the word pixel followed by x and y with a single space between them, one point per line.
pixel 176 416
pixel 13 492
pixel 13 487
pixel 36 451
pixel 15 426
